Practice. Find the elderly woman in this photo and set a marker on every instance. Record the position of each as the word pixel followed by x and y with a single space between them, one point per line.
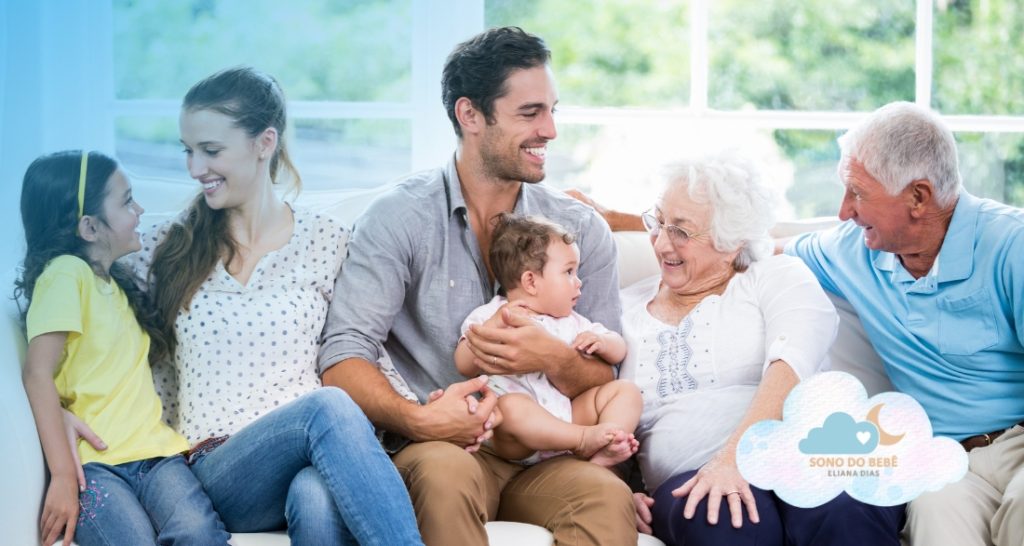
pixel 717 341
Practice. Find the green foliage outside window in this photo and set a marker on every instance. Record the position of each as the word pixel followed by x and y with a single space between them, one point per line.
pixel 318 49
pixel 609 52
pixel 818 55
pixel 796 55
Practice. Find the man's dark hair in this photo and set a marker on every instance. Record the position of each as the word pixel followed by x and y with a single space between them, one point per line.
pixel 477 68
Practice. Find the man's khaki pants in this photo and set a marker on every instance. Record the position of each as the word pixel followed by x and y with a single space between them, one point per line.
pixel 455 493
pixel 985 507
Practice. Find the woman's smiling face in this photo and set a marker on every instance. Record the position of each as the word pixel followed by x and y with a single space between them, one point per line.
pixel 694 265
pixel 222 157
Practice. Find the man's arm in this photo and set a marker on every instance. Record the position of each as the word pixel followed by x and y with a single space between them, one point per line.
pixel 820 250
pixel 380 263
pixel 579 373
pixel 617 220
pixel 446 418
pixel 525 347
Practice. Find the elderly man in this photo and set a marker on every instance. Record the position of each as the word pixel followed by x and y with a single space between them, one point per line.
pixel 936 276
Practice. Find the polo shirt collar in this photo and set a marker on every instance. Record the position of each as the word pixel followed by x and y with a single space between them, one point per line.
pixel 958 246
pixel 956 253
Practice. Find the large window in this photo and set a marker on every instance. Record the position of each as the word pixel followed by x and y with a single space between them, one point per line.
pixel 640 83
pixel 345 68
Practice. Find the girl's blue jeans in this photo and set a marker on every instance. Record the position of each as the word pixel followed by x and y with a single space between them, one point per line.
pixel 315 466
pixel 153 501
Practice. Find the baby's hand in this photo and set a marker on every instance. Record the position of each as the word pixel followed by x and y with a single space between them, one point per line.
pixel 587 343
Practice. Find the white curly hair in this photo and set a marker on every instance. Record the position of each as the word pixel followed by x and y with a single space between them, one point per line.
pixel 742 206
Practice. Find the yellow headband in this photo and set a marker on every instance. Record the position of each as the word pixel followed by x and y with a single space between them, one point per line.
pixel 81 184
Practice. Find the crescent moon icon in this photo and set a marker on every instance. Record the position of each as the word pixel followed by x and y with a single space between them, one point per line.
pixel 884 438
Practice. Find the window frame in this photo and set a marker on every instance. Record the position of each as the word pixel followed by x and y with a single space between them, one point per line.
pixel 439 24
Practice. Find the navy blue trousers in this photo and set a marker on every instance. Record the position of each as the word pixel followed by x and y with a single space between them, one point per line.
pixel 841 521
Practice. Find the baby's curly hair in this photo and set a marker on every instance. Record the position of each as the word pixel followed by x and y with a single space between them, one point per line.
pixel 520 244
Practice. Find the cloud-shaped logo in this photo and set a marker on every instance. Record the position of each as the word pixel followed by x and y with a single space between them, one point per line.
pixel 831 439
pixel 841 434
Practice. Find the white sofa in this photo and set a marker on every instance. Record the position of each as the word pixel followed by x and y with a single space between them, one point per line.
pixel 22 461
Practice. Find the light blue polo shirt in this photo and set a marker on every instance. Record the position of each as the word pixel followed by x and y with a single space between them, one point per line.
pixel 953 339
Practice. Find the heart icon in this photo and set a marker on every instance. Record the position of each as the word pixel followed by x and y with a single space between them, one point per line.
pixel 863 437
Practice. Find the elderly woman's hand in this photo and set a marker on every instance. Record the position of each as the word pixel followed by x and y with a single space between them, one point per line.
pixel 719 478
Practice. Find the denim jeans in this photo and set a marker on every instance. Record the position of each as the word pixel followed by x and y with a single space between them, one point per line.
pixel 154 501
pixel 315 467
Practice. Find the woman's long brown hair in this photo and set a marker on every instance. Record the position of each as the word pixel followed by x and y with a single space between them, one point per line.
pixel 191 249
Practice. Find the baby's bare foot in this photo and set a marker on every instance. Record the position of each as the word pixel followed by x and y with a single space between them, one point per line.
pixel 606 444
pixel 622 447
pixel 596 438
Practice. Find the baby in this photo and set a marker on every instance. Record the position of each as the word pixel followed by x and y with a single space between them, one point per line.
pixel 535 261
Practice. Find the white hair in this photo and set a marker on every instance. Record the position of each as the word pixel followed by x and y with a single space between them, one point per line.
pixel 742 206
pixel 902 142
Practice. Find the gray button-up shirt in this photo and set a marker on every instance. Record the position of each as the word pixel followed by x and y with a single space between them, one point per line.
pixel 414 272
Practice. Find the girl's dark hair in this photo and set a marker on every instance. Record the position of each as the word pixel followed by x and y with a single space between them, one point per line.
pixel 520 244
pixel 254 102
pixel 49 214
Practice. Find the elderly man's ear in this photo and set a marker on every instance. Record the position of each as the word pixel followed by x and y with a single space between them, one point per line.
pixel 921 195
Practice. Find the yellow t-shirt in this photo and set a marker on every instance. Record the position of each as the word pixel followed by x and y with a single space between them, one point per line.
pixel 104 376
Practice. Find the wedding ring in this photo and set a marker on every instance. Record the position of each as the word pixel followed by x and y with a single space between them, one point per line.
pixel 732 492
pixel 494 361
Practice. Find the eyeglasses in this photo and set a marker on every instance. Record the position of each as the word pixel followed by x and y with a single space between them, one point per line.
pixel 676 234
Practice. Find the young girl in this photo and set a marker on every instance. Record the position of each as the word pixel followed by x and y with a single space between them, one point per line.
pixel 89 345
pixel 535 262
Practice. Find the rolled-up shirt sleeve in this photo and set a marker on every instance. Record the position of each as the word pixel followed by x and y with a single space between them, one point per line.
pixel 814 249
pixel 371 288
pixel 800 321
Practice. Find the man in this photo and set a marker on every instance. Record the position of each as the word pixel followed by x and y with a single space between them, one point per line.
pixel 417 266
pixel 936 276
